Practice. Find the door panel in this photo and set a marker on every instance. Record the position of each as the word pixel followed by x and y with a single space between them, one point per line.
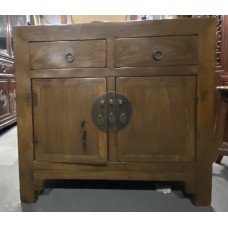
pixel 64 130
pixel 162 126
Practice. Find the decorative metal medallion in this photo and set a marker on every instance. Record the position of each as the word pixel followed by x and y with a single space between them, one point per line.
pixel 111 112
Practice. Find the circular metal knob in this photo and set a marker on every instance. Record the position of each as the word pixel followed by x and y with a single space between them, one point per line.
pixel 69 57
pixel 102 102
pixel 120 102
pixel 111 101
pixel 100 120
pixel 157 53
pixel 123 118
pixel 111 118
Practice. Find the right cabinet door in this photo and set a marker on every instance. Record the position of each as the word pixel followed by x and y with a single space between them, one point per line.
pixel 162 125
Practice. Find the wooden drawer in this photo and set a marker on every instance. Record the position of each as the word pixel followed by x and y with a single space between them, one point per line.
pixel 67 54
pixel 169 50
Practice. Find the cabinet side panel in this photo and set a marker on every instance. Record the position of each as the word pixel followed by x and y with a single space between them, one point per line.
pixel 24 117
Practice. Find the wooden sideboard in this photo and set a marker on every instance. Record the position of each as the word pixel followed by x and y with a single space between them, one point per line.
pixel 7 92
pixel 116 101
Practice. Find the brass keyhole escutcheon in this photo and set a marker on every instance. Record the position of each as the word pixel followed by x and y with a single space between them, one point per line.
pixel 111 118
pixel 100 120
pixel 123 118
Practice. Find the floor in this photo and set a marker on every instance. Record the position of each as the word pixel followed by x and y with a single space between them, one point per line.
pixel 102 195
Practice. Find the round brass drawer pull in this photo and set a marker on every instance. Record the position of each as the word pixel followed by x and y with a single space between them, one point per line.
pixel 157 53
pixel 69 57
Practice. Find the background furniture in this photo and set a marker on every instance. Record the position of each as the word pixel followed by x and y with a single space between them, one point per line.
pixel 221 146
pixel 7 92
pixel 221 75
pixel 7 79
pixel 117 101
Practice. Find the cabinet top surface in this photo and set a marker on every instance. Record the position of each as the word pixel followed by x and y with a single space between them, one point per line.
pixel 117 29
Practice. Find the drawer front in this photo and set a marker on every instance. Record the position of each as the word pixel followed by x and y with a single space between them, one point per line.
pixel 6 68
pixel 67 54
pixel 152 51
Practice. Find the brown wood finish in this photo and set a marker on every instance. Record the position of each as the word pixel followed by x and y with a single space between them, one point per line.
pixel 24 122
pixel 63 128
pixel 176 50
pixel 161 106
pixel 177 100
pixel 205 116
pixel 48 55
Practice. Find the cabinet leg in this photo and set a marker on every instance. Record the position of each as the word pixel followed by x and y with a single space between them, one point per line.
pixel 202 194
pixel 189 187
pixel 219 159
pixel 28 193
pixel 200 199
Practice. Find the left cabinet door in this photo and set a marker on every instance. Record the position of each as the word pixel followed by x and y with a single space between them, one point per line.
pixel 63 126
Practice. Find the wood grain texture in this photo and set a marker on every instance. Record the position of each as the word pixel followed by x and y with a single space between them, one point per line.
pixel 24 121
pixel 162 122
pixel 63 126
pixel 170 134
pixel 47 55
pixel 205 114
pixel 110 72
pixel 138 52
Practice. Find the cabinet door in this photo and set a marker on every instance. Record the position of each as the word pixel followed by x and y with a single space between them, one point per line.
pixel 63 127
pixel 4 102
pixel 162 125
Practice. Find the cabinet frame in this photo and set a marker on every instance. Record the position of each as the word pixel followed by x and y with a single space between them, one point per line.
pixel 196 175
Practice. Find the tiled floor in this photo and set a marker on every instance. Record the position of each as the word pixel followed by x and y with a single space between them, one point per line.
pixel 105 196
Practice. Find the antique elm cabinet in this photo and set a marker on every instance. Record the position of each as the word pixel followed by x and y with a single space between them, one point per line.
pixel 116 101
